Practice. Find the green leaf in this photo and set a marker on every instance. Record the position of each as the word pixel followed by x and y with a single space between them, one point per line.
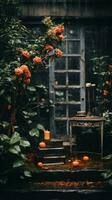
pixel 29 122
pixel 34 132
pixel 27 114
pixel 107 175
pixel 23 156
pixel 27 173
pixel 5 124
pixel 108 157
pixel 40 127
pixel 4 137
pixel 2 92
pixel 24 143
pixel 31 88
pixel 32 114
pixel 15 138
pixel 15 149
pixel 18 163
pixel 9 99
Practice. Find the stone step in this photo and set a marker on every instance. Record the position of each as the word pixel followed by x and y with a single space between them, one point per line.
pixel 51 151
pixel 54 143
pixel 56 163
pixel 54 159
pixel 69 174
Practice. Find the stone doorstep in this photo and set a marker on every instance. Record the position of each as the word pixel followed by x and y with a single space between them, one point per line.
pixel 31 191
pixel 55 193
pixel 69 174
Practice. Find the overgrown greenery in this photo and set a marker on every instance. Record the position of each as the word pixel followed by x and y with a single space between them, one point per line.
pixel 22 95
pixel 102 68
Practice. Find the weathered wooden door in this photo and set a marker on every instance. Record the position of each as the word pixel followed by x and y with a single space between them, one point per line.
pixel 67 81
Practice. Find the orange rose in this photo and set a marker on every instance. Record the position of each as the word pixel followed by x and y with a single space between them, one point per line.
pixel 58 29
pixel 24 68
pixel 27 81
pixel 37 60
pixel 61 37
pixel 48 47
pixel 27 74
pixel 26 71
pixel 58 53
pixel 18 71
pixel 25 54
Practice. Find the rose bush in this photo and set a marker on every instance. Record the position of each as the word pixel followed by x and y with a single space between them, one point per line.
pixel 21 93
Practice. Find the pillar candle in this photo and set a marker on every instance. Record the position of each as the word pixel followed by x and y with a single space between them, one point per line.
pixel 47 135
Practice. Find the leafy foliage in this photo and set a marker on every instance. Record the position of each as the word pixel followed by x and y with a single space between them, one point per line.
pixel 12 156
pixel 103 77
pixel 23 95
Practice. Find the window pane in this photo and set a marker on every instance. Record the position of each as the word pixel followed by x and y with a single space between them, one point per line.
pixel 74 78
pixel 60 63
pixel 63 47
pixel 60 79
pixel 73 62
pixel 60 95
pixel 73 47
pixel 74 94
pixel 73 110
pixel 60 110
pixel 73 32
pixel 60 128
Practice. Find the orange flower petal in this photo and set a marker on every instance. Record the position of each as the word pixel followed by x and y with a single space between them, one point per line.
pixel 18 71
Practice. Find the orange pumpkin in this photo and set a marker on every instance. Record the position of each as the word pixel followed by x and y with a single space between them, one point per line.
pixel 42 144
pixel 76 163
pixel 39 164
pixel 86 158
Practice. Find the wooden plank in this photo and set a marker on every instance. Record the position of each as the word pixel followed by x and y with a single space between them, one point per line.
pixel 69 71
pixel 52 96
pixel 69 103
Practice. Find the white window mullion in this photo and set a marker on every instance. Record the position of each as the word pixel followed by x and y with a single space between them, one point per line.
pixel 82 70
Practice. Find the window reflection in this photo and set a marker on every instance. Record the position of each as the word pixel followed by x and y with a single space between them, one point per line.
pixel 73 47
pixel 73 31
pixel 73 63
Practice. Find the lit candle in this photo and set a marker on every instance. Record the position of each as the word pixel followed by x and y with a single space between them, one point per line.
pixel 47 135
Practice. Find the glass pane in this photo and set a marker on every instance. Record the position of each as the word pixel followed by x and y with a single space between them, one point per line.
pixel 73 110
pixel 60 95
pixel 73 62
pixel 60 110
pixel 63 46
pixel 73 47
pixel 60 63
pixel 74 78
pixel 74 94
pixel 61 128
pixel 60 79
pixel 73 32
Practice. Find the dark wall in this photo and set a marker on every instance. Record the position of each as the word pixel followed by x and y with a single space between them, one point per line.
pixel 67 8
